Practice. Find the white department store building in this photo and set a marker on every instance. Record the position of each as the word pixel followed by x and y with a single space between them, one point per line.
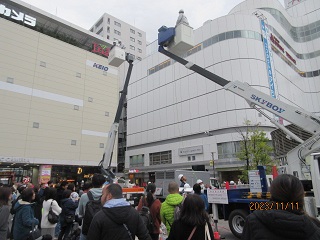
pixel 170 107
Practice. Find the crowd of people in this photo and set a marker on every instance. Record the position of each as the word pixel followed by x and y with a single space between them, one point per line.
pixel 99 211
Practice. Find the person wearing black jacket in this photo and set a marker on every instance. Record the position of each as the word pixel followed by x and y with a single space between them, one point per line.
pixel 283 217
pixel 193 222
pixel 68 211
pixel 117 220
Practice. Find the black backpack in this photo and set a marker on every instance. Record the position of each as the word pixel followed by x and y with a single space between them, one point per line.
pixel 146 217
pixel 92 207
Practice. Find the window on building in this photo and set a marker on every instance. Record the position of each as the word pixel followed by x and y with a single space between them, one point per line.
pixel 191 158
pixel 132 39
pixel 117 24
pixel 108 29
pixel 228 149
pixel 99 22
pixel 139 42
pixel 108 21
pixel 139 34
pixel 100 31
pixel 132 47
pixel 132 31
pixel 137 160
pixel 139 50
pixel 139 58
pixel 159 158
pixel 108 37
pixel 117 32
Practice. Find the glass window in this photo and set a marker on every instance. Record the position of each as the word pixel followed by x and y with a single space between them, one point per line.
pixel 139 34
pixel 100 31
pixel 222 36
pixel 132 47
pixel 237 34
pixel 132 31
pixel 117 24
pixel 99 22
pixel 160 158
pixel 251 34
pixel 139 42
pixel 244 34
pixel 214 39
pixel 229 35
pixel 132 39
pixel 137 160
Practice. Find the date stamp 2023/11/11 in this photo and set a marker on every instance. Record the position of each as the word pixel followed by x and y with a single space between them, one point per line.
pixel 273 206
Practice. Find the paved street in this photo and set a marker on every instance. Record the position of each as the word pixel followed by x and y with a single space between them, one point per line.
pixel 224 230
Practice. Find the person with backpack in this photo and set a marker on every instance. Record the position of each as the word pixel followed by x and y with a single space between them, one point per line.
pixel 168 207
pixel 153 206
pixel 117 220
pixel 193 222
pixel 94 196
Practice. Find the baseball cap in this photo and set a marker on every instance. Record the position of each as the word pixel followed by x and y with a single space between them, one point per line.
pixel 180 176
pixel 199 181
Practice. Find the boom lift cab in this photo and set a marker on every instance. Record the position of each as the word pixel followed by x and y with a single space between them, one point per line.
pixel 117 56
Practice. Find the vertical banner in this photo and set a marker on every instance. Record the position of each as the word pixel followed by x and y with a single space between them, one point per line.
pixel 269 63
pixel 44 173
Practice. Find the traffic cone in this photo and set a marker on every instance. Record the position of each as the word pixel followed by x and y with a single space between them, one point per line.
pixel 216 236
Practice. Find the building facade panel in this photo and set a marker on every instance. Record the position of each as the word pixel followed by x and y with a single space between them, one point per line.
pixel 55 104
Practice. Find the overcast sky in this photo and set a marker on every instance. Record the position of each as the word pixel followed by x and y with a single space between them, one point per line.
pixel 147 15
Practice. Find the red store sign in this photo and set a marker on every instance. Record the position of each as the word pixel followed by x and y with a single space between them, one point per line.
pixel 100 49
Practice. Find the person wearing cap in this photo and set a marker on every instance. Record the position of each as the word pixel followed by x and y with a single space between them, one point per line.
pixel 197 190
pixel 182 179
pixel 200 182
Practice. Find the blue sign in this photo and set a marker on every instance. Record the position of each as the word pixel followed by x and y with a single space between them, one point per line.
pixel 267 52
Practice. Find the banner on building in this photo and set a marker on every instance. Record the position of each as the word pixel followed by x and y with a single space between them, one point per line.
pixel 44 173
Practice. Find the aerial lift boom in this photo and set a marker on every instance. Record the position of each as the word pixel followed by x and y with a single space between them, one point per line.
pixel 105 163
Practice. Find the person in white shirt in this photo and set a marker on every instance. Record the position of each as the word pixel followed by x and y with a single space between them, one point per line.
pixel 50 196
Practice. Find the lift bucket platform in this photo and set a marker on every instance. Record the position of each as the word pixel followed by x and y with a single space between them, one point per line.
pixel 116 56
pixel 183 39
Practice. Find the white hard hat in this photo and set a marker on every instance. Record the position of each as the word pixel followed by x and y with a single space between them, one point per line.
pixel 199 181
pixel 231 182
pixel 180 176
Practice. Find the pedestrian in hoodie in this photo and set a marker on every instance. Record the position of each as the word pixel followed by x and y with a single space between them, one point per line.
pixel 117 220
pixel 168 206
pixel 284 217
pixel 24 218
pixel 97 181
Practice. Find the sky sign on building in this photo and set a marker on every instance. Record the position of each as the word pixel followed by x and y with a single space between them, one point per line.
pixel 18 16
